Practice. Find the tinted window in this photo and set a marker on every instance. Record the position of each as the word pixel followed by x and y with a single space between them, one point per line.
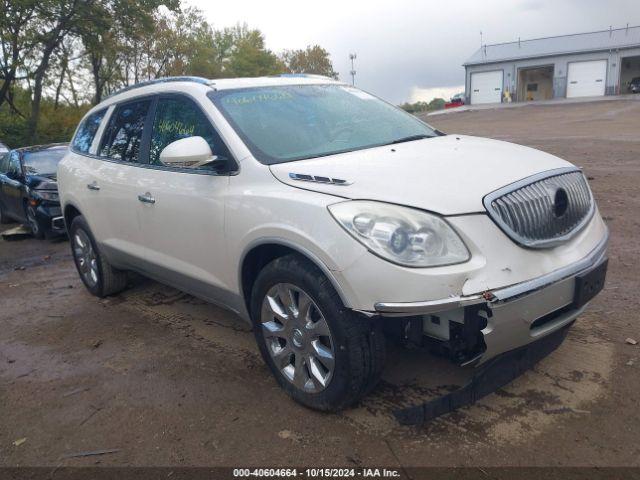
pixel 87 131
pixel 44 162
pixel 285 123
pixel 178 118
pixel 4 162
pixel 123 137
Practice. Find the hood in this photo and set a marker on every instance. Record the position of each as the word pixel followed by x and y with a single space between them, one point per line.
pixel 449 175
pixel 42 182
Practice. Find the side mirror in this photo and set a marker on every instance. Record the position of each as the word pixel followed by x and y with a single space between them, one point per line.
pixel 192 152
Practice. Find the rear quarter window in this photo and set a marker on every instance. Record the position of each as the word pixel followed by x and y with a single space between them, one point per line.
pixel 87 131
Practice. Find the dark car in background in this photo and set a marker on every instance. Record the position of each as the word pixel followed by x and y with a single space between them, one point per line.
pixel 29 190
pixel 634 85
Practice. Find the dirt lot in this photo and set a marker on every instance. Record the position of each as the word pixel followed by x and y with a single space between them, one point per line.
pixel 165 379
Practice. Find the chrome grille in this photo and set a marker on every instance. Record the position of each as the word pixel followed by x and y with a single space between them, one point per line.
pixel 544 210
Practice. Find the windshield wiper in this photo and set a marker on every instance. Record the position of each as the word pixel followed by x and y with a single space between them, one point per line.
pixel 410 138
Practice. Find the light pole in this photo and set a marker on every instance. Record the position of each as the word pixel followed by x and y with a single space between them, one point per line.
pixel 352 57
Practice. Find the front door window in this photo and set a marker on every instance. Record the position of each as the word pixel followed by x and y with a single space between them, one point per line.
pixel 178 118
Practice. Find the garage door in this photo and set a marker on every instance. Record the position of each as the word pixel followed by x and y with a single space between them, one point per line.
pixel 486 87
pixel 586 79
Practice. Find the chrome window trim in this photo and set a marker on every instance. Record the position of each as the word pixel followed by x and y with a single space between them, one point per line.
pixel 525 242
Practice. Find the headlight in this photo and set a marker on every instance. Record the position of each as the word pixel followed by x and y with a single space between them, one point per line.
pixel 46 195
pixel 400 234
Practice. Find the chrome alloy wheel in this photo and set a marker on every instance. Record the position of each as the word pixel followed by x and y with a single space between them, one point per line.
pixel 298 337
pixel 86 257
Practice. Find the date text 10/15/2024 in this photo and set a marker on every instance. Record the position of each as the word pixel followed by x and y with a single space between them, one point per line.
pixel 316 473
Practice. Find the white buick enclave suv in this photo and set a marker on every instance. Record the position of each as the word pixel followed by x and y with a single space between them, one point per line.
pixel 330 220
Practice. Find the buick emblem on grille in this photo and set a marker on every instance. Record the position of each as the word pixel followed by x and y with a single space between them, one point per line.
pixel 560 202
pixel 543 210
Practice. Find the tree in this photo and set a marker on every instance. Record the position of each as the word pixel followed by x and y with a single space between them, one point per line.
pixel 249 57
pixel 108 27
pixel 55 20
pixel 435 104
pixel 16 41
pixel 205 52
pixel 314 60
pixel 57 57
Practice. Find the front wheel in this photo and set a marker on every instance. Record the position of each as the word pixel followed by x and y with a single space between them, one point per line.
pixel 100 278
pixel 36 229
pixel 323 355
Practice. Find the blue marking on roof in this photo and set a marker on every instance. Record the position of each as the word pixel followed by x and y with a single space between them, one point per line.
pixel 301 75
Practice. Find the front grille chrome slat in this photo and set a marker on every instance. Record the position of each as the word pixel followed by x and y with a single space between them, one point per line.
pixel 545 210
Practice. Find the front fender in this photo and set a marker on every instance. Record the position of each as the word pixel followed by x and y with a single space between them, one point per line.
pixel 300 246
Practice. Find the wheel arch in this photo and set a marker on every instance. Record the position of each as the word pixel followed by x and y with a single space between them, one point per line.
pixel 260 253
pixel 70 212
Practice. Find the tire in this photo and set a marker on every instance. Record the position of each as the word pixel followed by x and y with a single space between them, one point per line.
pixel 356 342
pixel 32 220
pixel 100 278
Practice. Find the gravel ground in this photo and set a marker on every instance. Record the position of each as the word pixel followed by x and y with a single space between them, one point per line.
pixel 165 379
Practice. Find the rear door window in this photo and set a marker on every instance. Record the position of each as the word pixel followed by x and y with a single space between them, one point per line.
pixel 123 137
pixel 177 118
pixel 87 131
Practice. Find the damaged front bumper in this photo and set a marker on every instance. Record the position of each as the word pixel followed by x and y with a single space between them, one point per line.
pixel 491 376
pixel 513 316
pixel 49 216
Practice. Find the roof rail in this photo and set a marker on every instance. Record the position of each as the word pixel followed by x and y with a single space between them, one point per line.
pixel 200 80
pixel 303 75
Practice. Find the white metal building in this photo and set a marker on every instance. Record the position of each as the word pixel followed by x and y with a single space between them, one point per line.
pixel 579 65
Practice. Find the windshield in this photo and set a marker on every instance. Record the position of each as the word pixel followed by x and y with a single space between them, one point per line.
pixel 294 122
pixel 43 162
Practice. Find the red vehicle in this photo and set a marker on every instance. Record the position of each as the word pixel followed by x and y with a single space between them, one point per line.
pixel 456 101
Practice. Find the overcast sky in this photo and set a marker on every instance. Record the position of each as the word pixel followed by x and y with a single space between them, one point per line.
pixel 411 49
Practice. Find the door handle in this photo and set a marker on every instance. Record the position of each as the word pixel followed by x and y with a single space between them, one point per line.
pixel 146 198
pixel 93 186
